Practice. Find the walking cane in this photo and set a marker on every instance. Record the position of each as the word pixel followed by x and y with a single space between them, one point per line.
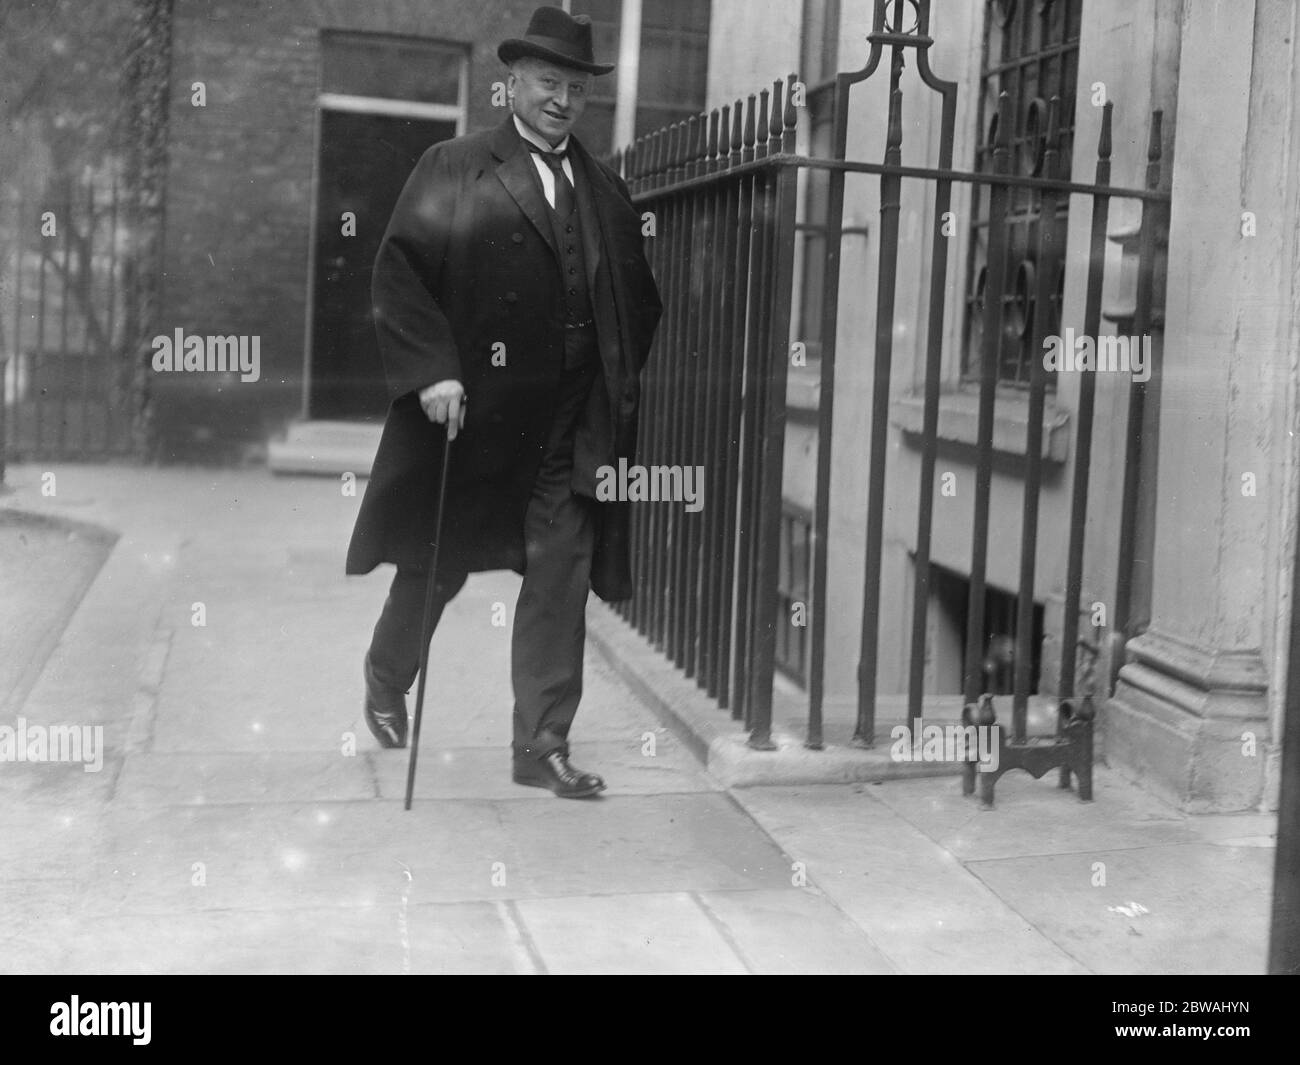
pixel 426 625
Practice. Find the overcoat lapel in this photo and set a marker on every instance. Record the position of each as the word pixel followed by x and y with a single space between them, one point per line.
pixel 591 227
pixel 517 173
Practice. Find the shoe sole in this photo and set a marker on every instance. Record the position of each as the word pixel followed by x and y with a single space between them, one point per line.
pixel 534 782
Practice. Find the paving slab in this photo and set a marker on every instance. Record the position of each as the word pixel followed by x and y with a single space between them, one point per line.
pixel 39 924
pixel 387 938
pixel 1035 817
pixel 636 843
pixel 189 779
pixel 285 856
pixel 796 931
pixel 924 911
pixel 654 933
pixel 1189 908
pixel 46 565
pixel 53 842
pixel 36 785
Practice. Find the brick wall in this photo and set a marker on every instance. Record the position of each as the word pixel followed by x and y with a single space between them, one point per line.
pixel 239 193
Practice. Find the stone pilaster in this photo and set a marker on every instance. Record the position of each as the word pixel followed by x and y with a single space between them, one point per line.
pixel 1192 716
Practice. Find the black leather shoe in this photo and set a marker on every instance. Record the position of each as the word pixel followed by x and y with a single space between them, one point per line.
pixel 385 711
pixel 553 771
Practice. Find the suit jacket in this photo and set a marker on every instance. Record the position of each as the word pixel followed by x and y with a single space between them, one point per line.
pixel 467 285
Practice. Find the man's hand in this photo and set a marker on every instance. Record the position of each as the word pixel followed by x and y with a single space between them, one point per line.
pixel 442 401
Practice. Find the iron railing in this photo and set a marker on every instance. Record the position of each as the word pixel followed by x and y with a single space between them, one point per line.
pixel 722 202
pixel 721 191
pixel 81 233
pixel 69 374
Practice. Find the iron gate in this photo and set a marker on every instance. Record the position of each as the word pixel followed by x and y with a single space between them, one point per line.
pixel 719 192
pixel 81 229
pixel 70 381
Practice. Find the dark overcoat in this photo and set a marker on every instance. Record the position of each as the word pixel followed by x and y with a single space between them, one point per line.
pixel 467 286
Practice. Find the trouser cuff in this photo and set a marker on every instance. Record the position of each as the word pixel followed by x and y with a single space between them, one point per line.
pixel 542 745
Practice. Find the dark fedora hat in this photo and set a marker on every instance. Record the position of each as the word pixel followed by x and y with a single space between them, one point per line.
pixel 558 37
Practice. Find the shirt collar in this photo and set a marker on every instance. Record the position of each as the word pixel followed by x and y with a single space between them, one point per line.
pixel 532 137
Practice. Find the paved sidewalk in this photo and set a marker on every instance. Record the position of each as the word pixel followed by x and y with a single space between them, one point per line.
pixel 246 821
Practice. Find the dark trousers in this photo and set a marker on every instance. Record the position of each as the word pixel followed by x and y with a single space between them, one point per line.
pixel 550 629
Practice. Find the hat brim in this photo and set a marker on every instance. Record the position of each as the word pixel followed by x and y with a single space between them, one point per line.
pixel 515 48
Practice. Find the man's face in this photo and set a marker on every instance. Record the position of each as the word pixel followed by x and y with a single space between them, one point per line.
pixel 548 98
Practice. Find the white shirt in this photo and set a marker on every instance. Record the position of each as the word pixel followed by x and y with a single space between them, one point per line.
pixel 543 170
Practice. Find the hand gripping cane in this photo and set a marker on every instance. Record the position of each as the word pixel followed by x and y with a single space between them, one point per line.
pixel 426 625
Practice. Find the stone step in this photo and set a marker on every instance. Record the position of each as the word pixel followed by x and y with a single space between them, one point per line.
pixel 326 447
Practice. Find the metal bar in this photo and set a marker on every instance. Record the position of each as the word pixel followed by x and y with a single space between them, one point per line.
pixel 1139 447
pixel 666 225
pixel 995 285
pixel 87 313
pixel 741 204
pixel 864 733
pixel 63 320
pixel 644 161
pixel 631 609
pixel 38 401
pixel 20 232
pixel 1083 434
pixel 715 611
pixel 1284 928
pixel 661 517
pixel 714 445
pixel 773 454
pixel 820 532
pixel 756 390
pixel 114 358
pixel 1049 260
pixel 691 406
pixel 677 413
pixel 744 504
pixel 768 615
pixel 789 159
pixel 930 415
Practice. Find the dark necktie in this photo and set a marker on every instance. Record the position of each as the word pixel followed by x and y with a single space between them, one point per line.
pixel 563 190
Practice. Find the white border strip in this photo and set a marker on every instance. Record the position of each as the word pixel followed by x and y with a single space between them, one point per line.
pixel 378 105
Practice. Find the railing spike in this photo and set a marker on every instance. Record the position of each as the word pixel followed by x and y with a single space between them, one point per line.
pixel 761 131
pixel 1052 145
pixel 751 105
pixel 894 137
pixel 1104 141
pixel 778 113
pixel 1154 151
pixel 724 137
pixel 1002 139
pixel 737 129
pixel 711 151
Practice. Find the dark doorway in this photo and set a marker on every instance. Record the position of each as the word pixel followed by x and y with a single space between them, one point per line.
pixel 365 160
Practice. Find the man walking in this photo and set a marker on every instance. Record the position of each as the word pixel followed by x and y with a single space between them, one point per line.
pixel 514 305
